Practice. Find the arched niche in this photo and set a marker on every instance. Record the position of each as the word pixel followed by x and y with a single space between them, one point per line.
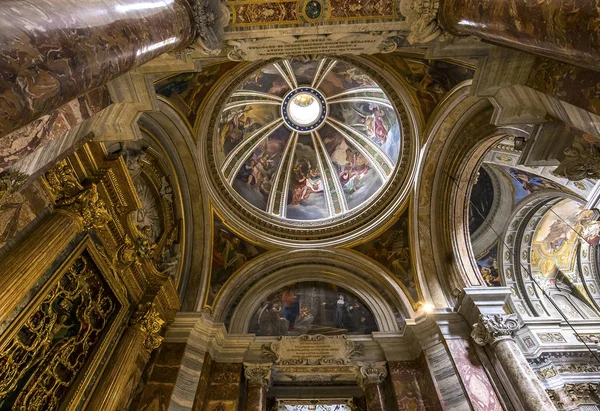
pixel 250 286
pixel 535 270
pixel 459 135
pixel 166 134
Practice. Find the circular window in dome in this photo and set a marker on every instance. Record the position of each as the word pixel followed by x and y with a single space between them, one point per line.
pixel 307 143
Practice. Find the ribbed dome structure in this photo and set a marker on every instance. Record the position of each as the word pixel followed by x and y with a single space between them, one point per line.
pixel 308 140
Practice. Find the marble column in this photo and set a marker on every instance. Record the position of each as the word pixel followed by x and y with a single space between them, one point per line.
pixel 52 51
pixel 258 377
pixel 370 378
pixel 497 331
pixel 124 370
pixel 555 28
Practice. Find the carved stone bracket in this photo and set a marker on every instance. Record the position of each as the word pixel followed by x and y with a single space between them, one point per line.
pixel 72 197
pixel 371 373
pixel 149 321
pixel 494 328
pixel 258 374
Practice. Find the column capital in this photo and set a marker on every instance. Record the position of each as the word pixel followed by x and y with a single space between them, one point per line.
pixel 494 328
pixel 148 320
pixel 371 373
pixel 258 374
pixel 207 20
pixel 72 197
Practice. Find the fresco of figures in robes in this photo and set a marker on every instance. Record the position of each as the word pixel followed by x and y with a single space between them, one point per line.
pixel 312 308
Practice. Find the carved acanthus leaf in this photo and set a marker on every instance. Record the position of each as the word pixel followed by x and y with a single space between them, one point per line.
pixel 371 373
pixel 10 182
pixel 258 374
pixel 493 328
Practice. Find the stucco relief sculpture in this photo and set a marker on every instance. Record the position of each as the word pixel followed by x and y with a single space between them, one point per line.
pixel 493 328
pixel 423 17
pixel 581 161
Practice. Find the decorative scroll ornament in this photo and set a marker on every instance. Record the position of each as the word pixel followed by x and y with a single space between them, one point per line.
pixel 258 374
pixel 581 161
pixel 71 196
pixel 10 182
pixel 371 373
pixel 148 320
pixel 493 328
pixel 423 14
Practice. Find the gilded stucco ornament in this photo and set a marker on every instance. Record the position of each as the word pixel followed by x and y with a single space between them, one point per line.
pixel 71 196
pixel 493 328
pixel 258 374
pixel 149 321
pixel 371 373
pixel 10 182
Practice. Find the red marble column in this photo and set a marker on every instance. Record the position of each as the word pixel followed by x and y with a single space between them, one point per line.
pixel 371 377
pixel 52 51
pixel 568 30
pixel 259 378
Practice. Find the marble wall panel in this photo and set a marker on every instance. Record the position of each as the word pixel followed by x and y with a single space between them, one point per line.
pixel 405 376
pixel 472 373
pixel 161 380
pixel 224 387
pixel 203 384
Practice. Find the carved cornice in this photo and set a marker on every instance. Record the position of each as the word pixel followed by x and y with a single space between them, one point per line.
pixel 258 374
pixel 371 373
pixel 494 328
pixel 148 320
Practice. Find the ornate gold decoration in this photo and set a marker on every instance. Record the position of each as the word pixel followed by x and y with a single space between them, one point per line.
pixel 494 328
pixel 70 195
pixel 47 353
pixel 10 182
pixel 149 321
pixel 546 373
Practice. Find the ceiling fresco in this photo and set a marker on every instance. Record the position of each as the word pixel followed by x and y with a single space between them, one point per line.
pixel 430 80
pixel 312 308
pixel 392 250
pixel 230 252
pixel 308 140
pixel 523 184
pixel 186 91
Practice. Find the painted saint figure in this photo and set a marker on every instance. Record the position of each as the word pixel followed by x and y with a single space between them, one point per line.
pixel 342 313
pixel 291 306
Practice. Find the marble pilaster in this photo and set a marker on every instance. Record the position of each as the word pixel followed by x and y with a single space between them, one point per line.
pixel 405 380
pixel 258 377
pixel 497 331
pixel 52 51
pixel 370 378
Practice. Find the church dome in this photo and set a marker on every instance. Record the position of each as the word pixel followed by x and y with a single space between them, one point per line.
pixel 307 144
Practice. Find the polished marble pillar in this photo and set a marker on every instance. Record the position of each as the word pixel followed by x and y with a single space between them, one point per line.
pixel 52 51
pixel 370 378
pixel 258 377
pixel 124 370
pixel 561 29
pixel 497 331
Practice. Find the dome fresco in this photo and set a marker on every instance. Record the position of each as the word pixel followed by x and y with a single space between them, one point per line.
pixel 307 140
